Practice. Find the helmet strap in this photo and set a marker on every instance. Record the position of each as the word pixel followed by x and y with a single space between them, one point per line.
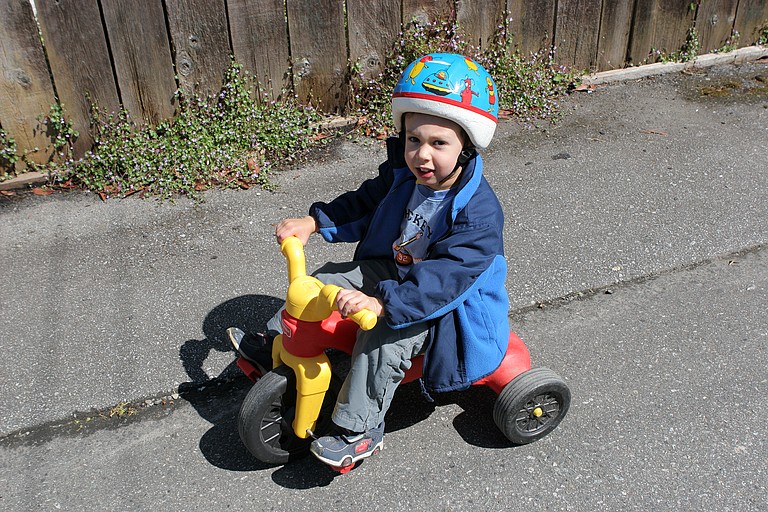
pixel 464 157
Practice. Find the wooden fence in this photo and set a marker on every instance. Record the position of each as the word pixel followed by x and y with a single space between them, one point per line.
pixel 136 53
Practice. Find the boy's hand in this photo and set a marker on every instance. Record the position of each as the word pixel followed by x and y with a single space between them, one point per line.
pixel 300 228
pixel 350 302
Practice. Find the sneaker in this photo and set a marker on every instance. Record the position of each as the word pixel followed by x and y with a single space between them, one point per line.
pixel 344 450
pixel 254 348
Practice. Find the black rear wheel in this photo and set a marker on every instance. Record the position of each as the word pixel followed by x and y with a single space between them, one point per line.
pixel 267 413
pixel 531 405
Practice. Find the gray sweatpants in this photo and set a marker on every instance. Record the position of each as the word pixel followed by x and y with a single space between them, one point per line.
pixel 380 356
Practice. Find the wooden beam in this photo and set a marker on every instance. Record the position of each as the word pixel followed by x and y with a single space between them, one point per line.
pixel 373 31
pixel 532 24
pixel 577 27
pixel 751 17
pixel 319 52
pixel 714 22
pixel 142 56
pixel 25 84
pixel 82 70
pixel 201 44
pixel 660 24
pixel 615 25
pixel 259 33
pixel 479 19
pixel 428 11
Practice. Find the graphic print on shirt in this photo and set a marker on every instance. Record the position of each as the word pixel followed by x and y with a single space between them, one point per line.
pixel 423 219
pixel 412 245
pixel 403 256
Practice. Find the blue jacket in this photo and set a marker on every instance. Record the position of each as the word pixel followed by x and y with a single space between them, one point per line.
pixel 459 288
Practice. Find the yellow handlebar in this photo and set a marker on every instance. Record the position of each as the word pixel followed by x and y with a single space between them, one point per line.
pixel 293 250
pixel 365 318
pixel 308 299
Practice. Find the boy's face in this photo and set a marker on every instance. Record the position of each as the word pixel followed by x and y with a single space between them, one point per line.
pixel 432 147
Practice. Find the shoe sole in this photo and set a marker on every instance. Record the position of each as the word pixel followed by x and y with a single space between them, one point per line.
pixel 235 336
pixel 350 460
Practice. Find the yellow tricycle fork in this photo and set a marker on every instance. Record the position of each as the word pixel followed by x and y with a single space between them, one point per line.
pixel 313 378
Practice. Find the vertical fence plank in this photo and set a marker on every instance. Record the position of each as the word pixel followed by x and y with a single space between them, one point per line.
pixel 201 44
pixel 80 64
pixel 532 24
pixel 659 24
pixel 751 17
pixel 714 22
pixel 428 11
pixel 373 30
pixel 319 52
pixel 479 19
pixel 25 84
pixel 615 24
pixel 142 56
pixel 260 41
pixel 577 27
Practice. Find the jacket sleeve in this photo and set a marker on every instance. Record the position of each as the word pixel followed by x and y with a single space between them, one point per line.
pixel 441 282
pixel 346 218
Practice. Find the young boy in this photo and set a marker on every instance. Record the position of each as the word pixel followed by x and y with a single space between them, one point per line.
pixel 430 256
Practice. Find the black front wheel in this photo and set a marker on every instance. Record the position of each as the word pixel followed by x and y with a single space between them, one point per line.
pixel 267 413
pixel 531 405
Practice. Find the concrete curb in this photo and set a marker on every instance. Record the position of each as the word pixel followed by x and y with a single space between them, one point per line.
pixel 740 56
pixel 23 180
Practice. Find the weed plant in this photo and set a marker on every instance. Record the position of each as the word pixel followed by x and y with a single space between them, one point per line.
pixel 731 44
pixel 687 52
pixel 762 36
pixel 529 86
pixel 226 141
pixel 60 133
pixel 8 156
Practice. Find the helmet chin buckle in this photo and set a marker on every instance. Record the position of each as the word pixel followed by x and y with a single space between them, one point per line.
pixel 464 157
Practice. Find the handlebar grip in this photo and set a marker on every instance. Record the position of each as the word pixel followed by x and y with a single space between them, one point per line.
pixel 365 318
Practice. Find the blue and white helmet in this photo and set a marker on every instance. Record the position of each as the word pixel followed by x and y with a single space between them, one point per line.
pixel 453 87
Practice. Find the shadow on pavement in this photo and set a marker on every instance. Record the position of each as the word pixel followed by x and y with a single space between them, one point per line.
pixel 221 445
pixel 217 399
pixel 475 423
pixel 249 312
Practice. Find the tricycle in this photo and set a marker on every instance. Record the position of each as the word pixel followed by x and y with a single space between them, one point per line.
pixel 291 402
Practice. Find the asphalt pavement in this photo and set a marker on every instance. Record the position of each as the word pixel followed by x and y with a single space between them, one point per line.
pixel 636 235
